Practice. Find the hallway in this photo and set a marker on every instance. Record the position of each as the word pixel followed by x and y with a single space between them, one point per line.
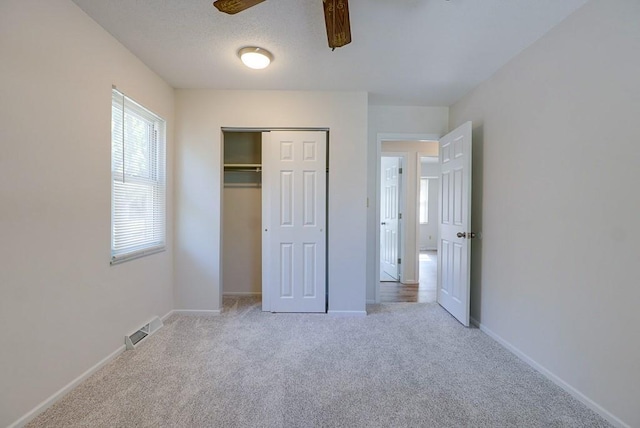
pixel 424 292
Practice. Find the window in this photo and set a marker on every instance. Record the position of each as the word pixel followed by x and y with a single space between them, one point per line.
pixel 138 185
pixel 424 200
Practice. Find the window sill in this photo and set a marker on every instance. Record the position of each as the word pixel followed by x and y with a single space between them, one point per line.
pixel 136 255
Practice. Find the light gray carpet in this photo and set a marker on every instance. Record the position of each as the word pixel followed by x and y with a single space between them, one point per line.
pixel 403 365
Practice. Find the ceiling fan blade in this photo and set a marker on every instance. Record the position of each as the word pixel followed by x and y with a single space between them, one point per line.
pixel 336 18
pixel 234 6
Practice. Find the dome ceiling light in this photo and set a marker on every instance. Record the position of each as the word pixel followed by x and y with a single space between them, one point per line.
pixel 255 57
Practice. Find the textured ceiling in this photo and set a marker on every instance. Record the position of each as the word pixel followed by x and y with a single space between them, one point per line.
pixel 411 52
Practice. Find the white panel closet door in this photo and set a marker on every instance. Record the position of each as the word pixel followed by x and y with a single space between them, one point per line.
pixel 389 202
pixel 294 189
pixel 454 236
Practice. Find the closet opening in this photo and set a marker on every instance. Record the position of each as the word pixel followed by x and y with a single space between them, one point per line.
pixel 242 215
pixel 274 218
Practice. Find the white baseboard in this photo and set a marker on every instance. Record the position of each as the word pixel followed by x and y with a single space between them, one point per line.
pixel 613 420
pixel 347 314
pixel 197 312
pixel 241 293
pixel 65 390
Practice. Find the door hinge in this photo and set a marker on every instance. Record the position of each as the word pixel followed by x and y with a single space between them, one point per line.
pixel 399 261
pixel 399 216
pixel 400 170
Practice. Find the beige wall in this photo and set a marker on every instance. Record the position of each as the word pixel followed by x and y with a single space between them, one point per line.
pixel 556 173
pixel 407 120
pixel 553 276
pixel 200 115
pixel 62 307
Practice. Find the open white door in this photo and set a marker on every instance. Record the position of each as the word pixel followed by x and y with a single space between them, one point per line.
pixel 389 204
pixel 454 237
pixel 294 189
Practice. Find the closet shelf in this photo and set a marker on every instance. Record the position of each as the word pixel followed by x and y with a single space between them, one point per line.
pixel 242 167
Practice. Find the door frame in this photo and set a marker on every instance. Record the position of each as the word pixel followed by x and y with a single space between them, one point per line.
pixel 402 207
pixel 224 129
pixel 379 139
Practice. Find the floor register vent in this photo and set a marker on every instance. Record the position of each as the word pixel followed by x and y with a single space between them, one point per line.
pixel 145 331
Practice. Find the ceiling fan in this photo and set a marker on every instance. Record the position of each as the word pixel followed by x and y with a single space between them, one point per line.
pixel 336 17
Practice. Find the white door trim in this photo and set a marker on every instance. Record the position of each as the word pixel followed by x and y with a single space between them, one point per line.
pixel 379 139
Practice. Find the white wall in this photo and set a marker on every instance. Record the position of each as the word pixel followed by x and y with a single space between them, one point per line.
pixel 556 173
pixel 392 120
pixel 429 231
pixel 200 116
pixel 410 234
pixel 62 307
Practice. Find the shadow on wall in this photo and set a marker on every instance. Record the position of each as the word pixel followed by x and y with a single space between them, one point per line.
pixel 477 139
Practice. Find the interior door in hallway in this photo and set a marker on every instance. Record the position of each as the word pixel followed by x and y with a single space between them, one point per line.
pixel 389 217
pixel 454 236
pixel 294 221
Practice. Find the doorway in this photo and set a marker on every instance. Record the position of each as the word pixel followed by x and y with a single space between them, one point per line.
pixel 415 224
pixel 453 219
pixel 426 291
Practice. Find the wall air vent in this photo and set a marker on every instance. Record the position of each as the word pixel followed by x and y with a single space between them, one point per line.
pixel 145 331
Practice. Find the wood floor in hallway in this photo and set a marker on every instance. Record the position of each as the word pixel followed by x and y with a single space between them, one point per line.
pixel 424 292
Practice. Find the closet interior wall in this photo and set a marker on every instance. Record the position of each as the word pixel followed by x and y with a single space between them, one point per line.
pixel 242 214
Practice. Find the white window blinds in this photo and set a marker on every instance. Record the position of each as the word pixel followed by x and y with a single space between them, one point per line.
pixel 138 189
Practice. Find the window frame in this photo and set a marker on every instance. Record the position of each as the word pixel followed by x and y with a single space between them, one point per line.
pixel 138 193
